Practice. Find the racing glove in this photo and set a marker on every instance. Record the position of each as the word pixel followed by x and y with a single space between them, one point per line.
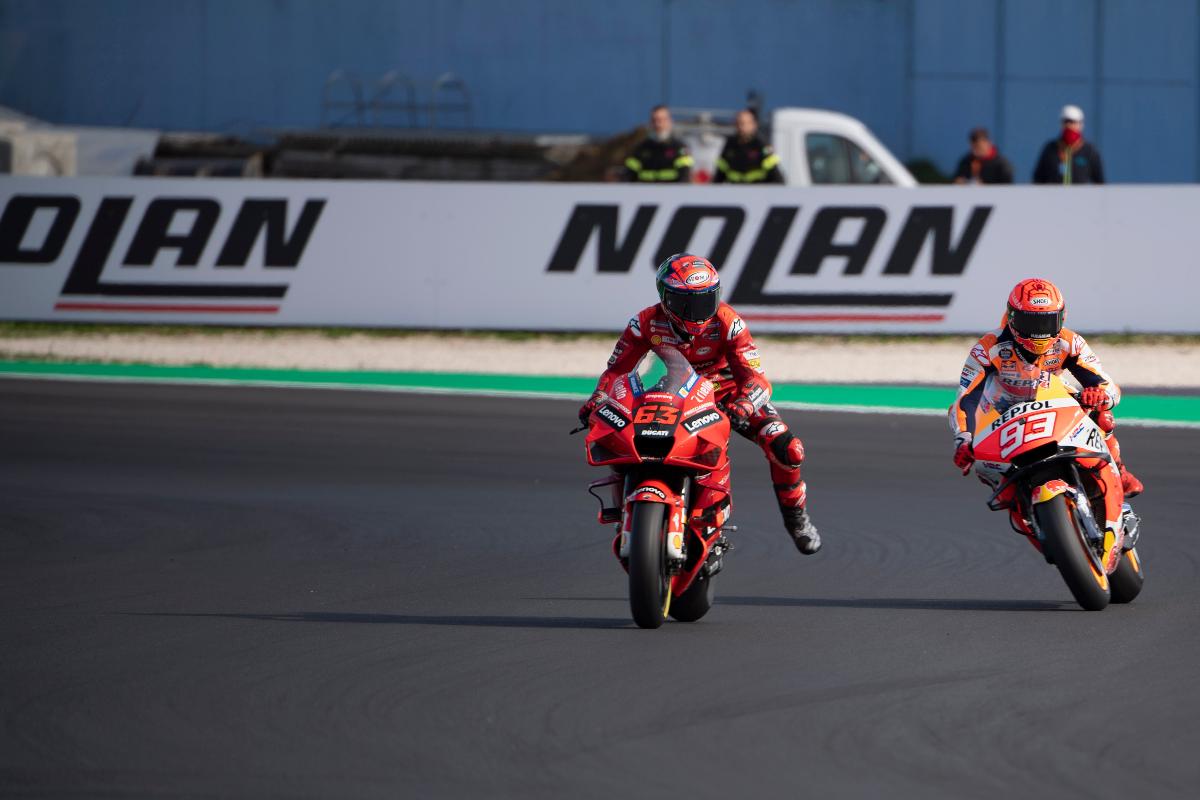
pixel 739 412
pixel 1094 397
pixel 964 454
pixel 585 410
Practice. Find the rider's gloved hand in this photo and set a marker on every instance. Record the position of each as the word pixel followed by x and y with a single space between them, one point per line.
pixel 1094 397
pixel 964 454
pixel 739 412
pixel 585 410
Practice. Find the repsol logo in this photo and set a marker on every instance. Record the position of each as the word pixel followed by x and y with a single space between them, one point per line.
pixel 923 225
pixel 35 228
pixel 1018 410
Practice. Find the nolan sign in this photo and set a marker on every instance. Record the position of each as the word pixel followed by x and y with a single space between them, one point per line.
pixel 824 238
pixel 35 229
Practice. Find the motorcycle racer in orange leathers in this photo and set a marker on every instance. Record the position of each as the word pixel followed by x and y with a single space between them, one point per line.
pixel 691 318
pixel 1005 367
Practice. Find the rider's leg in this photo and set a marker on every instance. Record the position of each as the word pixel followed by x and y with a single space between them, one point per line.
pixel 785 454
pixel 1129 482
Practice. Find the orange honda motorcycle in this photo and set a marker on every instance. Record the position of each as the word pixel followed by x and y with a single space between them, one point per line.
pixel 1047 460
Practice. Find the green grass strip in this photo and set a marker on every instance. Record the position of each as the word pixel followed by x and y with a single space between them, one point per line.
pixel 1161 408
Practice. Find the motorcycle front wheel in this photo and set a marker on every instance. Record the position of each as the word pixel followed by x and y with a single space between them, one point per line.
pixel 648 583
pixel 1068 548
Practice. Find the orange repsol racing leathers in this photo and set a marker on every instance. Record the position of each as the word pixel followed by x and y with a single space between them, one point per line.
pixel 999 373
pixel 725 354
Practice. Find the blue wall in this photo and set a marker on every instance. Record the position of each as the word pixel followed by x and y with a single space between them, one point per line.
pixel 920 73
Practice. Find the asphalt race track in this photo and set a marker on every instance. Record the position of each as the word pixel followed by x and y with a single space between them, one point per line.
pixel 266 592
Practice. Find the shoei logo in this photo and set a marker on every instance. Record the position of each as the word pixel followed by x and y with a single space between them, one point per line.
pixel 936 235
pixel 158 236
pixel 696 278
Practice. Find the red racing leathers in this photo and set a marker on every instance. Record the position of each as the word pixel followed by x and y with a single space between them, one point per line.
pixel 725 354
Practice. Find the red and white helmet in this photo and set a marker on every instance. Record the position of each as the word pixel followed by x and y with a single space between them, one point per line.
pixel 1036 313
pixel 689 291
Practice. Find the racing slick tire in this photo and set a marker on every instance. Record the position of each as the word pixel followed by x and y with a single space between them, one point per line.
pixel 1127 579
pixel 695 602
pixel 648 582
pixel 1068 548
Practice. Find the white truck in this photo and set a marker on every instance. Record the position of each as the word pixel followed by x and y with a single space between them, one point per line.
pixel 815 147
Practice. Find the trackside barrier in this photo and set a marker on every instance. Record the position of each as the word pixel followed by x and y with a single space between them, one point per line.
pixel 580 257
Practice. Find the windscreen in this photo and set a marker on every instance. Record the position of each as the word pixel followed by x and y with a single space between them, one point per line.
pixel 1003 395
pixel 665 369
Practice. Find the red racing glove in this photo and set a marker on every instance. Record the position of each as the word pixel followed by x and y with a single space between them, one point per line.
pixel 585 410
pixel 1094 397
pixel 739 412
pixel 964 454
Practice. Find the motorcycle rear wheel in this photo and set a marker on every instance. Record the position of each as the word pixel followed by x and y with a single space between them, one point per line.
pixel 648 583
pixel 695 602
pixel 1127 578
pixel 1068 548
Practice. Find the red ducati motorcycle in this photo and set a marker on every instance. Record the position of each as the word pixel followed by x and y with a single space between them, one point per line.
pixel 667 446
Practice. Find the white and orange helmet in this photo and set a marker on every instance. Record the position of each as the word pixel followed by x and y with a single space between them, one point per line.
pixel 1036 313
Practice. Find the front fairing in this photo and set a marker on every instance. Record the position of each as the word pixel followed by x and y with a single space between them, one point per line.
pixel 1004 432
pixel 673 421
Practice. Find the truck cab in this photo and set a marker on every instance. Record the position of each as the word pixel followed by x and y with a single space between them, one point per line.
pixel 818 147
pixel 815 147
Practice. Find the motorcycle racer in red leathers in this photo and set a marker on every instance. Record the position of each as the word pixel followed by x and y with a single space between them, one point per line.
pixel 691 317
pixel 1006 364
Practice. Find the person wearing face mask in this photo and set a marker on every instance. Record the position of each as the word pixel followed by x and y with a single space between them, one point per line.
pixel 983 164
pixel 1069 159
pixel 746 158
pixel 660 158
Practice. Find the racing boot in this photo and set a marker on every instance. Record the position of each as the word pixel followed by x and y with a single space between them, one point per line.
pixel 1129 482
pixel 801 529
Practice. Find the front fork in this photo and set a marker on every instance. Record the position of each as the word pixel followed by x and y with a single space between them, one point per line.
pixel 677 503
pixel 1107 543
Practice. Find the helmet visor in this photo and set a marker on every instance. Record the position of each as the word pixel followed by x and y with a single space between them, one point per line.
pixel 1037 324
pixel 693 306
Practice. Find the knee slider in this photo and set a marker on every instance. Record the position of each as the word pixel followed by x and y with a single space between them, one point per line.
pixel 788 450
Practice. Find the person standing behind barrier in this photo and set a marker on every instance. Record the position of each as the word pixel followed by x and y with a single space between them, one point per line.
pixel 983 164
pixel 660 158
pixel 1070 158
pixel 746 158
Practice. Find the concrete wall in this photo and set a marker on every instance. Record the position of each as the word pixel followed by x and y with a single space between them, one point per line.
pixel 918 72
